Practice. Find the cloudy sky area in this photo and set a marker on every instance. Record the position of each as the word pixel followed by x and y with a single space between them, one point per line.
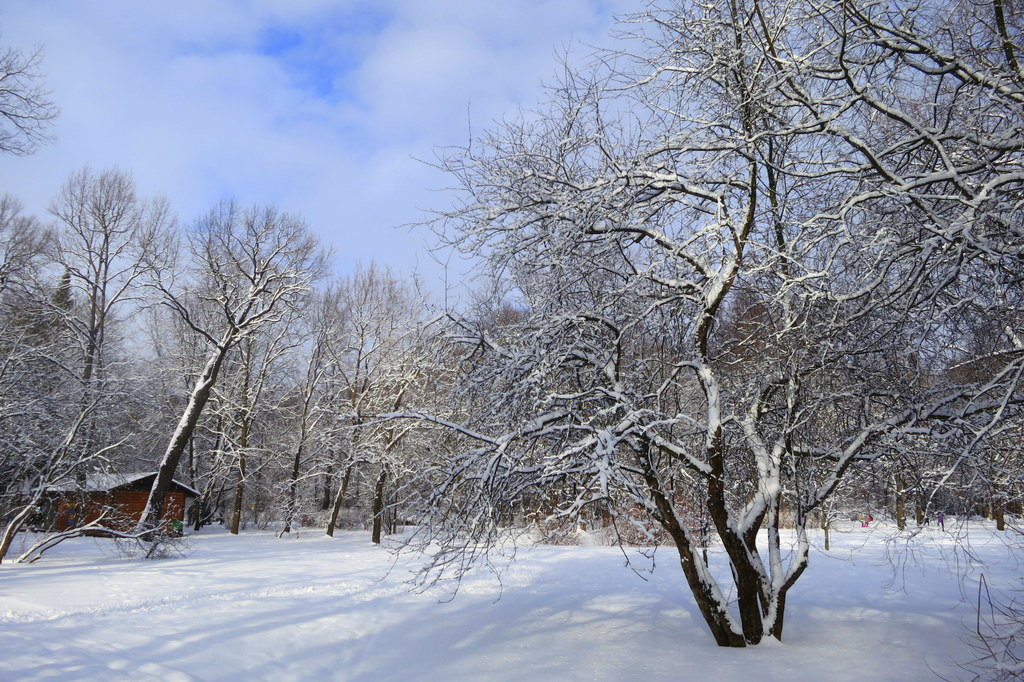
pixel 319 106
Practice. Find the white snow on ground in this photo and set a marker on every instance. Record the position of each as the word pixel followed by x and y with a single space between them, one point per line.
pixel 315 608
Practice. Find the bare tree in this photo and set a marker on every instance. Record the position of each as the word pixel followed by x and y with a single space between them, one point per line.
pixel 31 389
pixel 62 401
pixel 23 241
pixel 108 240
pixel 249 267
pixel 249 394
pixel 25 107
pixel 374 369
pixel 310 412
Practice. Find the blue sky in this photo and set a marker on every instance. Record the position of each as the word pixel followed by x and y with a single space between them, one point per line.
pixel 318 106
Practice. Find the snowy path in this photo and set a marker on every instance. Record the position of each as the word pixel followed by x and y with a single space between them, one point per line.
pixel 258 607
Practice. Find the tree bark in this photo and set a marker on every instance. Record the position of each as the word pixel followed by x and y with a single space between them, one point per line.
pixel 150 518
pixel 746 578
pixel 378 505
pixel 338 500
pixel 236 509
pixel 14 526
pixel 293 484
pixel 901 504
pixel 325 497
pixel 243 444
pixel 695 571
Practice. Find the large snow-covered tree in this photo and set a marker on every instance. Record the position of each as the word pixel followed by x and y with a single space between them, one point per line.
pixel 739 248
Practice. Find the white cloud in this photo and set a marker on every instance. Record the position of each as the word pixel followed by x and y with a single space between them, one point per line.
pixel 314 105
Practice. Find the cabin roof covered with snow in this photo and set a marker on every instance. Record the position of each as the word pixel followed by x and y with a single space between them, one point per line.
pixel 99 482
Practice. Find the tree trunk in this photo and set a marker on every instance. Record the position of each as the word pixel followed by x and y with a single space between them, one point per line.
pixel 776 630
pixel 901 504
pixel 710 602
pixel 216 506
pixel 150 518
pixel 338 501
pixel 192 462
pixel 378 505
pixel 236 513
pixel 826 525
pixel 199 507
pixel 203 504
pixel 14 526
pixel 745 576
pixel 999 513
pixel 293 484
pixel 325 492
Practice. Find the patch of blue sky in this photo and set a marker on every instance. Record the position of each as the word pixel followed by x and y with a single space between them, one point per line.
pixel 321 54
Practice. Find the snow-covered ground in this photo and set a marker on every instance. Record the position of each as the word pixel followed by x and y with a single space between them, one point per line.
pixel 256 607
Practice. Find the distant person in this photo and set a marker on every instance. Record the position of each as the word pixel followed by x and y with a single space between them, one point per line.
pixel 941 518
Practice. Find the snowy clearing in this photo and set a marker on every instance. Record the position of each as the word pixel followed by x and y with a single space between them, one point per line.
pixel 316 608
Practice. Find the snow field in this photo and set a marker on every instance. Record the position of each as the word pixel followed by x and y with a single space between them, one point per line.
pixel 257 607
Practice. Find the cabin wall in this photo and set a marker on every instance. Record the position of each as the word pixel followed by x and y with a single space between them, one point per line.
pixel 124 507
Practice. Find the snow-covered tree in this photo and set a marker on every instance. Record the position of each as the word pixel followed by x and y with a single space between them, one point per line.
pixel 68 416
pixel 738 246
pixel 107 240
pixel 250 266
pixel 375 367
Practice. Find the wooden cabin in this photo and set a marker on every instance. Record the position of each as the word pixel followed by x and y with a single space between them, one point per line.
pixel 120 497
